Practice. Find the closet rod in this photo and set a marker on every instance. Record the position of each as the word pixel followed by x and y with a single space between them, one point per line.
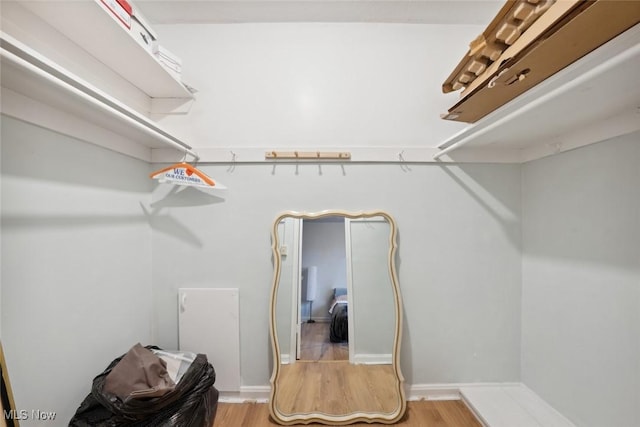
pixel 593 72
pixel 21 58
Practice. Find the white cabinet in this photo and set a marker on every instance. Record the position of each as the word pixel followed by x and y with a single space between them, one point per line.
pixel 209 323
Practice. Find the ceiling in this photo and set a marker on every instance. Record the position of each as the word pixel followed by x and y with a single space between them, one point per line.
pixel 476 12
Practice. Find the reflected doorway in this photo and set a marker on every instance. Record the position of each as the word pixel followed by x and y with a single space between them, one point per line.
pixel 323 317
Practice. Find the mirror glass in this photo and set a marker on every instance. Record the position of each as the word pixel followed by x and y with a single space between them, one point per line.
pixel 335 319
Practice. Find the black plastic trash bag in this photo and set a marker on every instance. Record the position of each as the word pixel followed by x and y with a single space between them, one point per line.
pixel 192 403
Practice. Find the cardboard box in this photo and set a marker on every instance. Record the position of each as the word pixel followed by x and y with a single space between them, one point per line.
pixel 547 23
pixel 506 31
pixel 583 29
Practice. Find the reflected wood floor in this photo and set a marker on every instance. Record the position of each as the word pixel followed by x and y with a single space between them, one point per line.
pixel 430 413
pixel 336 387
pixel 315 343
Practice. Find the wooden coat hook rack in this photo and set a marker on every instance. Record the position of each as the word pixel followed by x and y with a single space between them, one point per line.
pixel 307 155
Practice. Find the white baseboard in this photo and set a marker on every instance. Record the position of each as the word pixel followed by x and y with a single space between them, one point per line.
pixel 432 392
pixel 513 402
pixel 443 391
pixel 254 393
pixel 372 359
pixel 437 391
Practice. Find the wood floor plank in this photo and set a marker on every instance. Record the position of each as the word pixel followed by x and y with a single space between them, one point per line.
pixel 336 387
pixel 424 413
pixel 454 412
pixel 315 344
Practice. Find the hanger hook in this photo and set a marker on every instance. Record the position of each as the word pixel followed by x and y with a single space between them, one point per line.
pixel 232 166
pixel 403 164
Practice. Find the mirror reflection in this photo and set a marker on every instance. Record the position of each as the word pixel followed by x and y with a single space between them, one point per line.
pixel 335 319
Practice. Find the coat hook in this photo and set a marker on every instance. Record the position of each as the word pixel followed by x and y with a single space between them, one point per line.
pixel 403 165
pixel 232 166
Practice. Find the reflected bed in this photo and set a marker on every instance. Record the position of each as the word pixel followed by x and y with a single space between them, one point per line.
pixel 339 311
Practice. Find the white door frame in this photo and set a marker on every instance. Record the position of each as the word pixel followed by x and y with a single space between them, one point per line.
pixel 350 312
pixel 296 290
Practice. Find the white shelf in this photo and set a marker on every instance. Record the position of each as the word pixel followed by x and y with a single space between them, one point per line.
pixel 29 77
pixel 94 28
pixel 511 405
pixel 593 99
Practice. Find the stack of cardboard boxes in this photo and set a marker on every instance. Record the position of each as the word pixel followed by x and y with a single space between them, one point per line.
pixel 527 42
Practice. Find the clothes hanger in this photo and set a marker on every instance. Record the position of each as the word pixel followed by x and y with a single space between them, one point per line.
pixel 183 173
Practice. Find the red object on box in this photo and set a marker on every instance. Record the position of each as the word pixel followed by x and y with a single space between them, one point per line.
pixel 126 6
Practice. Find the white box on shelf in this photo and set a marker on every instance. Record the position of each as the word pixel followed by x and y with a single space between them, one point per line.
pixel 142 31
pixel 121 9
pixel 96 29
pixel 177 73
pixel 168 60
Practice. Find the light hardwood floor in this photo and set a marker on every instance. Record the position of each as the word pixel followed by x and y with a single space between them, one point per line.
pixel 336 388
pixel 449 413
pixel 315 343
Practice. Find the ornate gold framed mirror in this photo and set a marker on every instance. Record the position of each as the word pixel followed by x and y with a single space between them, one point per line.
pixel 335 319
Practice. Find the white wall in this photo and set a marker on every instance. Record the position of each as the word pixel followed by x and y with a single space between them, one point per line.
pixel 581 282
pixel 317 84
pixel 459 256
pixel 76 262
pixel 361 85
